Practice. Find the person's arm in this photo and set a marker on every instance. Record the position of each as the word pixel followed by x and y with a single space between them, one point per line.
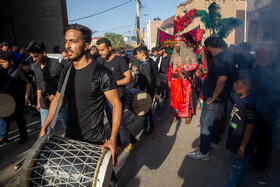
pixel 38 100
pixel 246 138
pixel 27 93
pixel 126 80
pixel 220 84
pixel 113 97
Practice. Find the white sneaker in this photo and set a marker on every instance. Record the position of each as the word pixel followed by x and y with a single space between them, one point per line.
pixel 197 155
pixel 215 146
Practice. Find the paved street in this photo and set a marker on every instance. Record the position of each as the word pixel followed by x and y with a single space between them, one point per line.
pixel 160 160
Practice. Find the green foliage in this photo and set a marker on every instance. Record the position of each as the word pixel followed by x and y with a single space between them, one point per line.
pixel 227 26
pixel 214 22
pixel 116 40
pixel 214 15
pixel 157 19
pixel 204 17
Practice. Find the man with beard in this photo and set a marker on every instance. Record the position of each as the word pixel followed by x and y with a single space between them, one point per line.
pixel 88 86
pixel 122 75
pixel 180 80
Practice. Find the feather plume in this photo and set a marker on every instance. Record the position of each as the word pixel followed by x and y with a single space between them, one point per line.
pixel 214 15
pixel 227 25
pixel 204 17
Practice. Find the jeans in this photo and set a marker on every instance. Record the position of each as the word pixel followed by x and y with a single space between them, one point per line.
pixel 239 172
pixel 149 116
pixel 3 128
pixel 62 115
pixel 210 124
pixel 18 115
pixel 124 133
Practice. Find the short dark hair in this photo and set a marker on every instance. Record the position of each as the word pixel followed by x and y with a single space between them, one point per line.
pixel 36 47
pixel 213 42
pixel 106 41
pixel 92 47
pixel 25 63
pixel 86 32
pixel 246 46
pixel 7 55
pixel 246 76
pixel 154 49
pixel 5 44
pixel 143 49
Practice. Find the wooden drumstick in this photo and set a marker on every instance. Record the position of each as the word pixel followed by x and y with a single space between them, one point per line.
pixel 18 165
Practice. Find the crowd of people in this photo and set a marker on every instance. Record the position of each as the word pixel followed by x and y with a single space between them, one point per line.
pixel 220 80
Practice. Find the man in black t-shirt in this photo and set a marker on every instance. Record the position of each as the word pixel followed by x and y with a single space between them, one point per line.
pixel 14 83
pixel 122 75
pixel 216 90
pixel 88 86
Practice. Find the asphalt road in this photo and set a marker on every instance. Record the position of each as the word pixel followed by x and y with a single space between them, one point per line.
pixel 160 160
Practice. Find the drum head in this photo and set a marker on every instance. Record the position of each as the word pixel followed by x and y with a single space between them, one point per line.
pixel 7 105
pixel 141 103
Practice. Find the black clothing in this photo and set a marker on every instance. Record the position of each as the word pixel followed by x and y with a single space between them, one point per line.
pixel 47 79
pixel 243 113
pixel 93 57
pixel 165 62
pixel 222 66
pixel 85 99
pixel 244 62
pixel 17 87
pixel 117 66
pixel 30 75
pixel 148 78
pixel 65 64
pixel 134 62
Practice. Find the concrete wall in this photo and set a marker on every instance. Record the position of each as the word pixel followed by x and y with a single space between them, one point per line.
pixel 35 20
pixel 229 8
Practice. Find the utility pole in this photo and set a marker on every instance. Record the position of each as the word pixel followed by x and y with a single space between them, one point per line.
pixel 129 39
pixel 138 19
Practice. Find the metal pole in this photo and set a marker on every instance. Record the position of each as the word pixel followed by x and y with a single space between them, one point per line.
pixel 138 19
pixel 245 22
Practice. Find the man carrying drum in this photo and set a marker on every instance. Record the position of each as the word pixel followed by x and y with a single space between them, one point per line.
pixel 88 86
pixel 122 75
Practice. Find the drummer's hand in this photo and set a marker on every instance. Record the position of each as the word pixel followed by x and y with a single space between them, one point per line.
pixel 169 84
pixel 38 107
pixel 27 101
pixel 42 133
pixel 112 145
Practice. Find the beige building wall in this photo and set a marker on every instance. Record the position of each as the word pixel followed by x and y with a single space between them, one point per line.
pixel 229 8
pixel 152 35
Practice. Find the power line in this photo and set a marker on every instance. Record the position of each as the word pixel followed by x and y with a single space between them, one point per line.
pixel 100 12
pixel 117 28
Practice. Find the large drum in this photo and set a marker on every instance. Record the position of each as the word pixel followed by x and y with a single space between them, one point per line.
pixel 163 81
pixel 7 105
pixel 137 101
pixel 59 161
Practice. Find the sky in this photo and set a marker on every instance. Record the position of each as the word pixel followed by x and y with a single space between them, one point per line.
pixel 122 19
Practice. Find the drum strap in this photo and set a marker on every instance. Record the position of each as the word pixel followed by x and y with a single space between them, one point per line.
pixel 60 98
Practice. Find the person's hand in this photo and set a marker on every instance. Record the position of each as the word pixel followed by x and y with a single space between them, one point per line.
pixel 181 67
pixel 38 107
pixel 157 96
pixel 112 145
pixel 134 68
pixel 27 101
pixel 42 133
pixel 169 84
pixel 51 97
pixel 240 153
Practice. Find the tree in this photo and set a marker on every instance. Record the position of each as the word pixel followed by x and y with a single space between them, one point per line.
pixel 116 40
pixel 157 19
pixel 213 21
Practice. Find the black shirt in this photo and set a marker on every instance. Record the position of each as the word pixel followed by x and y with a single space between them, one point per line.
pixel 17 87
pixel 134 62
pixel 85 99
pixel 30 76
pixel 165 61
pixel 148 78
pixel 47 79
pixel 243 113
pixel 117 66
pixel 222 66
